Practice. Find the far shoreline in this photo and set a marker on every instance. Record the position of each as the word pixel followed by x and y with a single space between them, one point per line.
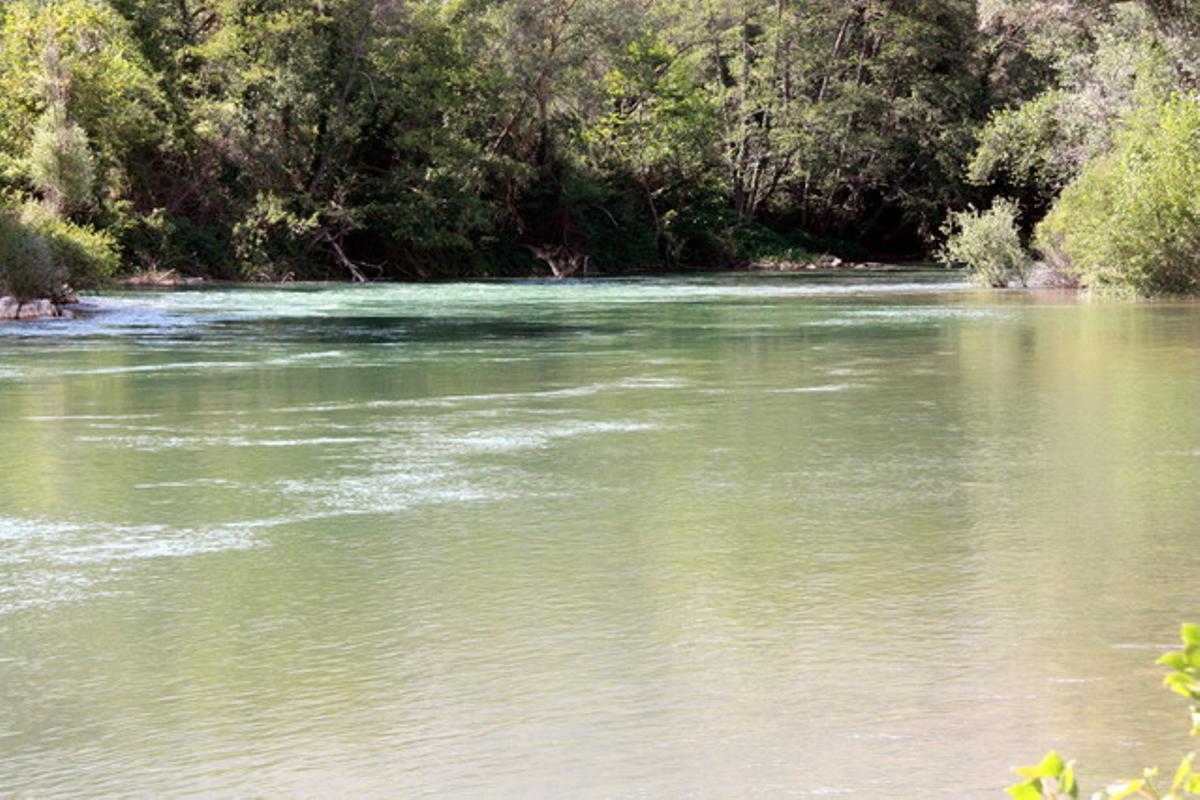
pixel 171 279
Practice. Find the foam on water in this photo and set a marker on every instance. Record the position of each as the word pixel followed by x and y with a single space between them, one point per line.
pixel 821 389
pixel 199 482
pixel 152 443
pixel 41 541
pixel 204 366
pixel 86 417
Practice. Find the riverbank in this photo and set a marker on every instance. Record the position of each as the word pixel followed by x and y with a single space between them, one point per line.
pixel 824 263
pixel 167 278
pixel 172 279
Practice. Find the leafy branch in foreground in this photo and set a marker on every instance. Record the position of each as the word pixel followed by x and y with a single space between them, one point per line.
pixel 1054 779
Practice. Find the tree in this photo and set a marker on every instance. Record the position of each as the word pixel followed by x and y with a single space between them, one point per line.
pixel 658 131
pixel 1130 223
pixel 77 104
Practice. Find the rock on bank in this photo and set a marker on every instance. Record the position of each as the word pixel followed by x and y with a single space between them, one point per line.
pixel 13 309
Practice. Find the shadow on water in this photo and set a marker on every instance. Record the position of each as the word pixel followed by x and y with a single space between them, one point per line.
pixel 374 329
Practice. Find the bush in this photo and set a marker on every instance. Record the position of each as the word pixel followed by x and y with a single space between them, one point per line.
pixel 89 256
pixel 755 242
pixel 28 268
pixel 40 255
pixel 1130 223
pixel 988 243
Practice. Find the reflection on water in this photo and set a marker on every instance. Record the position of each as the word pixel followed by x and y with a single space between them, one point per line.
pixel 813 535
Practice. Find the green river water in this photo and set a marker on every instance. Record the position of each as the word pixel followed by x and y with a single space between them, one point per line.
pixel 795 535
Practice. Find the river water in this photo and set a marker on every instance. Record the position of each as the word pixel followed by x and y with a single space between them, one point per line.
pixel 794 535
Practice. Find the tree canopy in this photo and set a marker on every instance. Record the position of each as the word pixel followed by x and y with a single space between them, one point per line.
pixel 363 139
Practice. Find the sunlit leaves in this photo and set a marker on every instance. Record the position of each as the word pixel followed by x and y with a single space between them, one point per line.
pixel 111 94
pixel 988 243
pixel 1050 778
pixel 1185 663
pixel 1131 222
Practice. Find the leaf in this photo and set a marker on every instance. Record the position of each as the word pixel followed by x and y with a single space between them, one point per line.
pixel 1174 660
pixel 1067 783
pixel 1050 767
pixel 1029 790
pixel 1123 790
pixel 1185 767
pixel 1180 684
pixel 1190 633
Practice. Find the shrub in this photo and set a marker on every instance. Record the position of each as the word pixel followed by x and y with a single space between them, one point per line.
pixel 89 256
pixel 1130 223
pixel 988 243
pixel 40 255
pixel 28 268
pixel 751 241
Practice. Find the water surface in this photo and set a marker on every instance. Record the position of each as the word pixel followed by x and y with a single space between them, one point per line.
pixel 795 535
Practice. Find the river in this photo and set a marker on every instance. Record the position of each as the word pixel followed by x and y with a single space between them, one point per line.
pixel 764 535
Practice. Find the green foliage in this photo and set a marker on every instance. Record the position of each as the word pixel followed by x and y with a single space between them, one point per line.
pixel 1185 676
pixel 351 138
pixel 1051 778
pixel 41 255
pixel 1022 144
pixel 60 163
pixel 28 268
pixel 656 137
pixel 988 243
pixel 270 239
pixel 72 66
pixel 1101 59
pixel 1054 779
pixel 88 256
pixel 1130 223
pixel 163 242
pixel 758 243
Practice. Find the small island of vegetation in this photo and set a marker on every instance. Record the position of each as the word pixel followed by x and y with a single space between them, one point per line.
pixel 364 139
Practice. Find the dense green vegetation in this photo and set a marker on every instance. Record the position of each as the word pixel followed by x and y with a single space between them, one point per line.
pixel 44 256
pixel 269 139
pixel 988 243
pixel 1131 220
pixel 1055 779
